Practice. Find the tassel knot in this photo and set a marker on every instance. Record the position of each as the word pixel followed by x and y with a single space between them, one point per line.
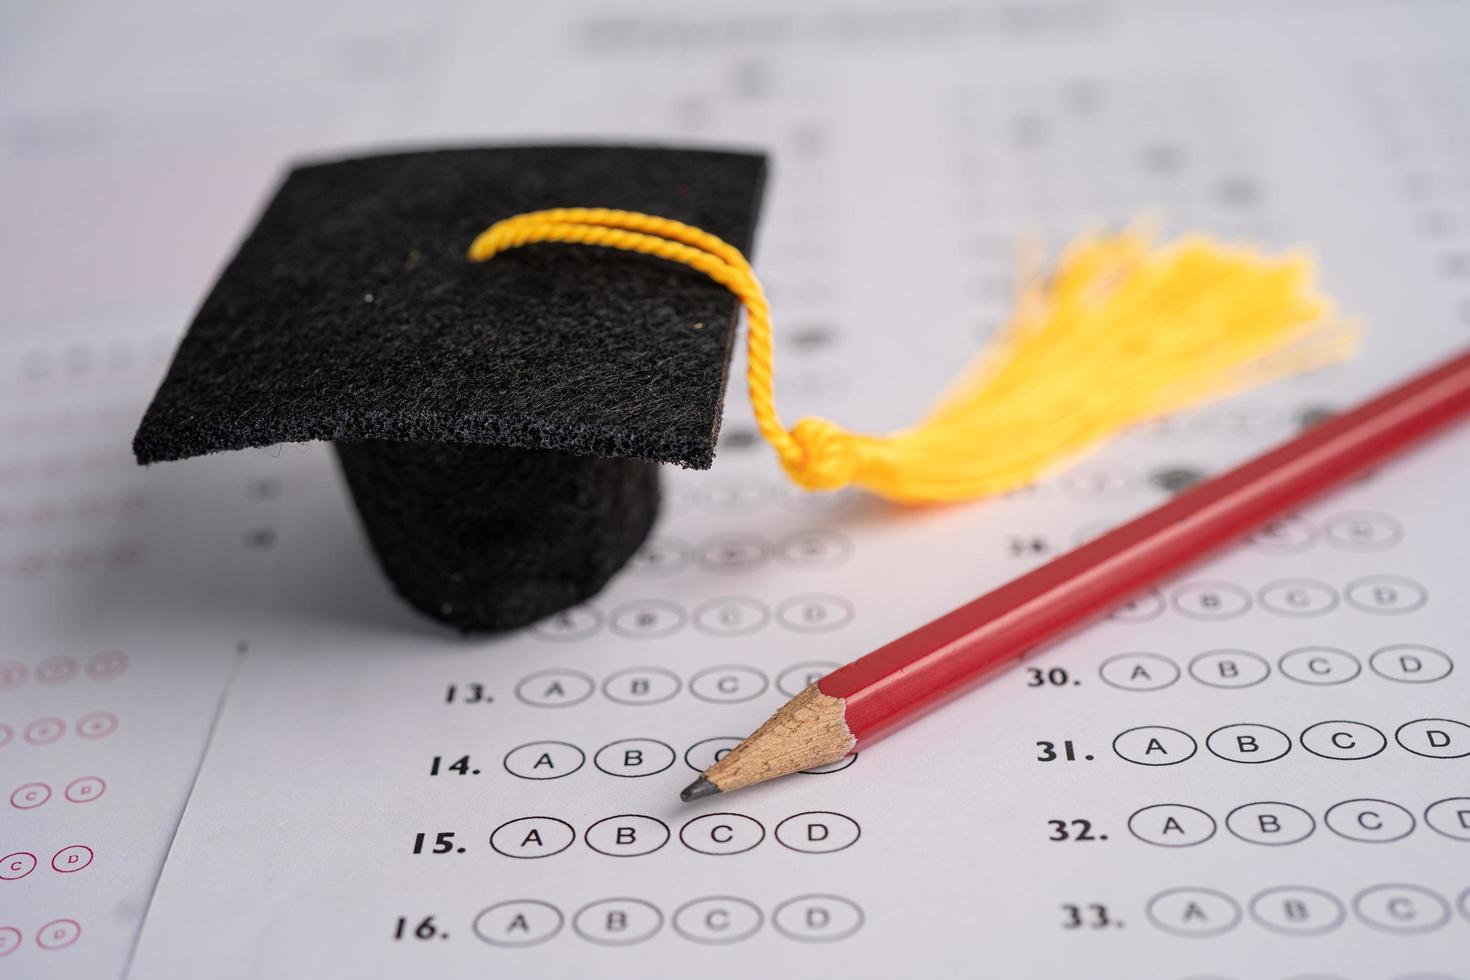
pixel 830 457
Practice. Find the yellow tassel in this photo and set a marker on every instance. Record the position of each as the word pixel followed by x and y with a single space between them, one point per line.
pixel 1121 332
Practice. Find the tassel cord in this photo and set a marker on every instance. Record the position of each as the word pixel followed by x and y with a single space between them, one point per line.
pixel 1118 334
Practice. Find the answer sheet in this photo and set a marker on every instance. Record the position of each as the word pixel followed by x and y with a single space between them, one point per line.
pixel 1258 770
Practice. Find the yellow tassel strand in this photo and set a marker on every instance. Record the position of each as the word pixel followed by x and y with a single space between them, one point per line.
pixel 1121 332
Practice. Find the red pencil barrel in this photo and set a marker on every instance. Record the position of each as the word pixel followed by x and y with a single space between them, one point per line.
pixel 941 659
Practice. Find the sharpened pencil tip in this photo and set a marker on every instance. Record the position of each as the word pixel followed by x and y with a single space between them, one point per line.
pixel 698 790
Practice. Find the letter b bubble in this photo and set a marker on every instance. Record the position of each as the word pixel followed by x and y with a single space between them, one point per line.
pixel 1247 743
pixel 1270 823
pixel 634 757
pixel 627 835
pixel 618 921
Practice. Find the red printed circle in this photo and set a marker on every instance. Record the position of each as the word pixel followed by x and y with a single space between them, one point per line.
pixel 56 670
pixel 86 789
pixel 71 859
pixel 58 934
pixel 17 865
pixel 98 724
pixel 10 939
pixel 30 796
pixel 44 731
pixel 106 664
pixel 12 675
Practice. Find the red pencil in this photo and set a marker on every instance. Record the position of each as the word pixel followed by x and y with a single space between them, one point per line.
pixel 857 704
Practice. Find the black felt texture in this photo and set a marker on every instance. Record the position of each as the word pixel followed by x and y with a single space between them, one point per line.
pixel 351 312
pixel 495 421
pixel 523 534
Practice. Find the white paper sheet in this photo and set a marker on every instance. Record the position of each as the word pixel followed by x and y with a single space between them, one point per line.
pixel 912 146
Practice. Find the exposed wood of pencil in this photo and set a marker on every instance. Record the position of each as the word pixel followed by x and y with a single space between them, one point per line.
pixel 808 731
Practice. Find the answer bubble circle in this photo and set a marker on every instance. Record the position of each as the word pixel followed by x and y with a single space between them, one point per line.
pixel 733 553
pixel 731 616
pixel 1456 746
pixel 819 548
pixel 30 795
pixel 1389 595
pixel 1324 739
pixel 793 918
pixel 1118 671
pixel 653 757
pixel 575 623
pixel 76 856
pixel 644 920
pixel 1195 825
pixel 97 724
pixel 10 940
pixel 13 674
pixel 814 613
pixel 1136 745
pixel 1363 531
pixel 1321 666
pixel 648 619
pixel 1140 609
pixel 741 833
pixel 106 664
pixel 731 684
pixel 656 835
pixel 1391 821
pixel 1428 664
pixel 57 670
pixel 526 761
pixel 1161 904
pixel 1229 668
pixel 1279 815
pixel 796 678
pixel 1303 897
pixel 1299 597
pixel 1285 535
pixel 17 865
pixel 543 919
pixel 659 557
pixel 574 688
pixel 706 920
pixel 1211 600
pixel 44 731
pixel 1381 907
pixel 1263 738
pixel 644 685
pixel 1440 815
pixel 85 789
pixel 562 836
pixel 839 832
pixel 58 934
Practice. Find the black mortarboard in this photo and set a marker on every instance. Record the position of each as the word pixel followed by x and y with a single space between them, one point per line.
pixel 498 423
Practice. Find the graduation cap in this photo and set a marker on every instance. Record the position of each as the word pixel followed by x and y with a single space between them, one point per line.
pixel 499 424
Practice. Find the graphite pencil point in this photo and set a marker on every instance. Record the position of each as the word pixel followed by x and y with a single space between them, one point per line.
pixel 698 790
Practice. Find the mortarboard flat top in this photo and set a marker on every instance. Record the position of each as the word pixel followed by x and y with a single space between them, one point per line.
pixel 351 314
